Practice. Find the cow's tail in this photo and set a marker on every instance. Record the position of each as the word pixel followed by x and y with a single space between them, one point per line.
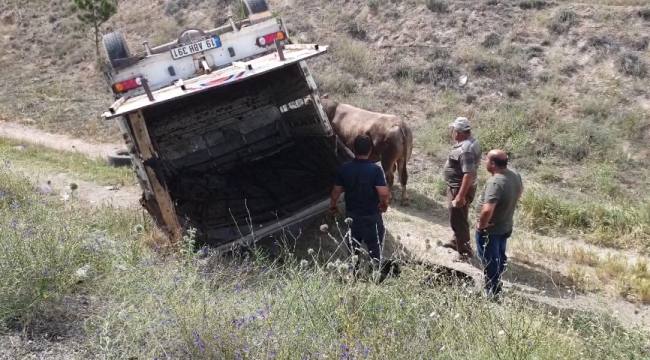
pixel 407 142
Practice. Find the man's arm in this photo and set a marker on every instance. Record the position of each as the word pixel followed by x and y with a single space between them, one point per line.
pixel 468 165
pixel 382 189
pixel 465 185
pixel 336 194
pixel 486 215
pixel 337 190
pixel 492 196
pixel 521 191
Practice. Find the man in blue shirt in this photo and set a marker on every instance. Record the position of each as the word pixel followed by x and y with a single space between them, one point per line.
pixel 366 198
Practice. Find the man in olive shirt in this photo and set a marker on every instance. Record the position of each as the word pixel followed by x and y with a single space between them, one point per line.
pixel 460 176
pixel 496 208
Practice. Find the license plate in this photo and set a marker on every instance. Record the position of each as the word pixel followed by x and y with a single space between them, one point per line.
pixel 197 47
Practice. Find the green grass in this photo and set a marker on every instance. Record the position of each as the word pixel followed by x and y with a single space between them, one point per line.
pixel 47 160
pixel 190 307
pixel 44 242
pixel 613 224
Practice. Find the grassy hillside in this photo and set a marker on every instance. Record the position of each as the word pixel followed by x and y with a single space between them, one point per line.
pixel 561 85
pixel 83 280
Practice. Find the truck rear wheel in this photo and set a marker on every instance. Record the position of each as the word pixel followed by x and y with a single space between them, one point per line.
pixel 119 158
pixel 115 47
pixel 254 7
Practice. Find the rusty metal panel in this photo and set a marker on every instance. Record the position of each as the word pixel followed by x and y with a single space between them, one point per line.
pixel 149 158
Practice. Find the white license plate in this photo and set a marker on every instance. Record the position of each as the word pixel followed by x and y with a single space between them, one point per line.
pixel 197 47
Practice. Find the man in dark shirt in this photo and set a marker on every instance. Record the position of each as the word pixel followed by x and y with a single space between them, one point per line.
pixel 366 198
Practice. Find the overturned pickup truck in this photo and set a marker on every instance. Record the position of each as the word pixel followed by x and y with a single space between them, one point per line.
pixel 219 131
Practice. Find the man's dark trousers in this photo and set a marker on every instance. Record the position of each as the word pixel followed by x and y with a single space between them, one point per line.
pixel 369 230
pixel 458 220
pixel 491 250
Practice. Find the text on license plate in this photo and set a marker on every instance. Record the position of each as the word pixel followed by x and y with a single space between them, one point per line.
pixel 187 50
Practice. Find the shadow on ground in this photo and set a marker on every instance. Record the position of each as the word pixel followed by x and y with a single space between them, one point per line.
pixel 306 241
pixel 550 282
pixel 533 278
pixel 421 206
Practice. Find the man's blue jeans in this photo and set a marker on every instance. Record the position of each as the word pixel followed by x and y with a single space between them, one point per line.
pixel 368 229
pixel 491 251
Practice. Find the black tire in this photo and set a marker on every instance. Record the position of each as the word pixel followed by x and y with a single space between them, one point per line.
pixel 119 158
pixel 254 7
pixel 115 47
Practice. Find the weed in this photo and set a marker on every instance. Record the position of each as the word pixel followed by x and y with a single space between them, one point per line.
pixel 174 6
pixel 532 4
pixel 352 57
pixel 373 4
pixel 580 279
pixel 438 53
pixel 580 255
pixel 604 44
pixel 437 6
pixel 632 64
pixel 563 21
pixel 644 13
pixel 470 98
pixel 495 67
pixel 492 40
pixel 337 84
pixel 355 30
pixel 513 92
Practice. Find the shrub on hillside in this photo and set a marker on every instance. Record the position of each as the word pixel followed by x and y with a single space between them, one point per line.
pixel 492 40
pixel 632 64
pixel 355 30
pixel 174 6
pixel 437 6
pixel 604 44
pixel 644 13
pixel 440 73
pixel 532 4
pixel 563 21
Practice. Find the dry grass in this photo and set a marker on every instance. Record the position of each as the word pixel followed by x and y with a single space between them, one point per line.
pixel 40 159
pixel 590 270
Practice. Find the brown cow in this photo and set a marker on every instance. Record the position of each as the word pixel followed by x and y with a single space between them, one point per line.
pixel 392 137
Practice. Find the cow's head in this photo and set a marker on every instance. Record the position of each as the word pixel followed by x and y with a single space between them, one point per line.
pixel 329 105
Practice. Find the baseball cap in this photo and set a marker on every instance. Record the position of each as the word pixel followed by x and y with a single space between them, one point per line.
pixel 461 124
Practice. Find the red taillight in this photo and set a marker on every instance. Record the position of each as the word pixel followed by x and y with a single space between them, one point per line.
pixel 267 40
pixel 127 85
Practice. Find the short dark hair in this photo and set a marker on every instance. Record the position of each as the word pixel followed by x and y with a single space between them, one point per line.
pixel 500 162
pixel 362 145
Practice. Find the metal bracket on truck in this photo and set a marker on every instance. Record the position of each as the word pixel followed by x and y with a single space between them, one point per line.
pixel 219 132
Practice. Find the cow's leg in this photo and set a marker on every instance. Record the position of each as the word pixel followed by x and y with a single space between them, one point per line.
pixel 403 179
pixel 388 165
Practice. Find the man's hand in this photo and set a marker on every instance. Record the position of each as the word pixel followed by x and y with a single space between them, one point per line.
pixel 383 206
pixel 459 201
pixel 478 226
pixel 334 209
